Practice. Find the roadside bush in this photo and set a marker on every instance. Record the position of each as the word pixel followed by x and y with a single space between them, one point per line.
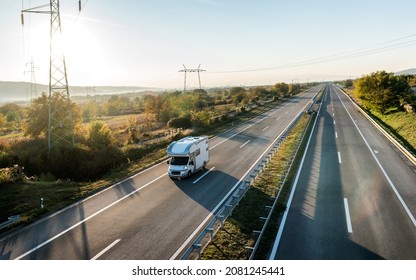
pixel 5 175
pixel 180 122
pixel 31 154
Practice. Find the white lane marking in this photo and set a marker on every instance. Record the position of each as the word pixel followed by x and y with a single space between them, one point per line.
pixel 106 249
pixel 336 135
pixel 88 218
pixel 235 134
pixel 289 202
pixel 392 186
pixel 197 180
pixel 335 122
pixel 266 127
pixel 228 138
pixel 245 144
pixel 278 119
pixel 347 215
pixel 339 157
pixel 333 114
pixel 375 151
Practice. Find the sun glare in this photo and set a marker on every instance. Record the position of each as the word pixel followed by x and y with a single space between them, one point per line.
pixel 77 43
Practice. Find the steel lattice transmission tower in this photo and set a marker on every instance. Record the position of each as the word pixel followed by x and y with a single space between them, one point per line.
pixel 186 70
pixel 33 87
pixel 60 125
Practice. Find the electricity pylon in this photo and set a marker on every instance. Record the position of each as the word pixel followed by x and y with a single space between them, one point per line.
pixel 186 70
pixel 33 86
pixel 60 126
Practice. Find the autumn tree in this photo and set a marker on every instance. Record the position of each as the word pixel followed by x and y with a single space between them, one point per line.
pixel 381 91
pixel 38 114
pixel 100 136
pixel 281 88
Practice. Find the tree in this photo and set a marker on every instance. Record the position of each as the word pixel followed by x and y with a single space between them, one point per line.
pixel 9 107
pixel 158 106
pixel 132 130
pixel 380 91
pixel 38 114
pixel 2 120
pixel 348 83
pixel 13 116
pixel 100 136
pixel 282 89
pixel 90 110
pixel 294 88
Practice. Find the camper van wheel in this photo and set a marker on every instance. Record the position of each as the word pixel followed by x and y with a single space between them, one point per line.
pixel 189 173
pixel 204 166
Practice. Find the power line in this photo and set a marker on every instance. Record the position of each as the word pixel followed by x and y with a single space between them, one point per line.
pixel 331 58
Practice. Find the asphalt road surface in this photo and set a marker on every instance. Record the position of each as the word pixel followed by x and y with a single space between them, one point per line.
pixel 355 197
pixel 150 216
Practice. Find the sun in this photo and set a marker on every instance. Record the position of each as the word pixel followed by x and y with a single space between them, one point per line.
pixel 77 42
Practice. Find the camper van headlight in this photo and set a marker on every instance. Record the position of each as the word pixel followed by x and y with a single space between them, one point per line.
pixel 185 167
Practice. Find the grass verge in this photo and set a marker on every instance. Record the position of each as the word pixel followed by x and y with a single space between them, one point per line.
pixel 401 125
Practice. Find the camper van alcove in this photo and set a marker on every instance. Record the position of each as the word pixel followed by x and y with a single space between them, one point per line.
pixel 188 156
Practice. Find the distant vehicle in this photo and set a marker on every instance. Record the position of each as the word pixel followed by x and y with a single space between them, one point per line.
pixel 188 156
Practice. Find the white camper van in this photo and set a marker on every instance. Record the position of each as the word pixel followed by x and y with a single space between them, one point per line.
pixel 188 155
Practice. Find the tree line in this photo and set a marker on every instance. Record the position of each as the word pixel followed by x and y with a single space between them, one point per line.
pixel 97 150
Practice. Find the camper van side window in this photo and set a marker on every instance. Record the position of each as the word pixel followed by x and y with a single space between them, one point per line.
pixel 197 152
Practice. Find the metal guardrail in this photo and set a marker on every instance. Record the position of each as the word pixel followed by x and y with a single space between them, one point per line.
pixel 399 146
pixel 11 220
pixel 207 234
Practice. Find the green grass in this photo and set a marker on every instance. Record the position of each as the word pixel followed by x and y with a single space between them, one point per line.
pixel 237 234
pixel 401 125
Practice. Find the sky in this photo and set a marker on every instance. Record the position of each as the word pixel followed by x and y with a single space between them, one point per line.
pixel 238 42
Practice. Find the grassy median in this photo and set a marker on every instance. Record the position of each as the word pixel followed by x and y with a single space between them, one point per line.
pixel 237 234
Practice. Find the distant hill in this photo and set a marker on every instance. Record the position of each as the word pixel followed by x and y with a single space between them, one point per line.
pixel 20 91
pixel 411 71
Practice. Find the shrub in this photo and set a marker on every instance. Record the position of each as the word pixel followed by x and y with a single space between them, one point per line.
pixel 180 122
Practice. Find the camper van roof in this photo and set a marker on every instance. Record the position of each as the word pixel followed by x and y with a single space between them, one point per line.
pixel 184 145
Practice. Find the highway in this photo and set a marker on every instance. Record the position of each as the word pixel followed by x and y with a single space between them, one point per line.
pixel 355 195
pixel 150 216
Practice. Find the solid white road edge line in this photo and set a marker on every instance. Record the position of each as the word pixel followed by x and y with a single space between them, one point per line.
pixel 205 174
pixel 282 224
pixel 86 219
pixel 347 215
pixel 392 186
pixel 106 249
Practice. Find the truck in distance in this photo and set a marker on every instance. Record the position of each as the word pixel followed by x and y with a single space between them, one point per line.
pixel 188 156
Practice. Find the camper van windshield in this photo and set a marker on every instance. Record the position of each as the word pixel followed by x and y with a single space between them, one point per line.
pixel 179 160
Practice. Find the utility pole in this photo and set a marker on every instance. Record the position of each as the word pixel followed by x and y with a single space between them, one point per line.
pixel 186 70
pixel 60 126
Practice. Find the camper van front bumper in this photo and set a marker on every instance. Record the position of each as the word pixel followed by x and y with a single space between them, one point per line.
pixel 178 174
